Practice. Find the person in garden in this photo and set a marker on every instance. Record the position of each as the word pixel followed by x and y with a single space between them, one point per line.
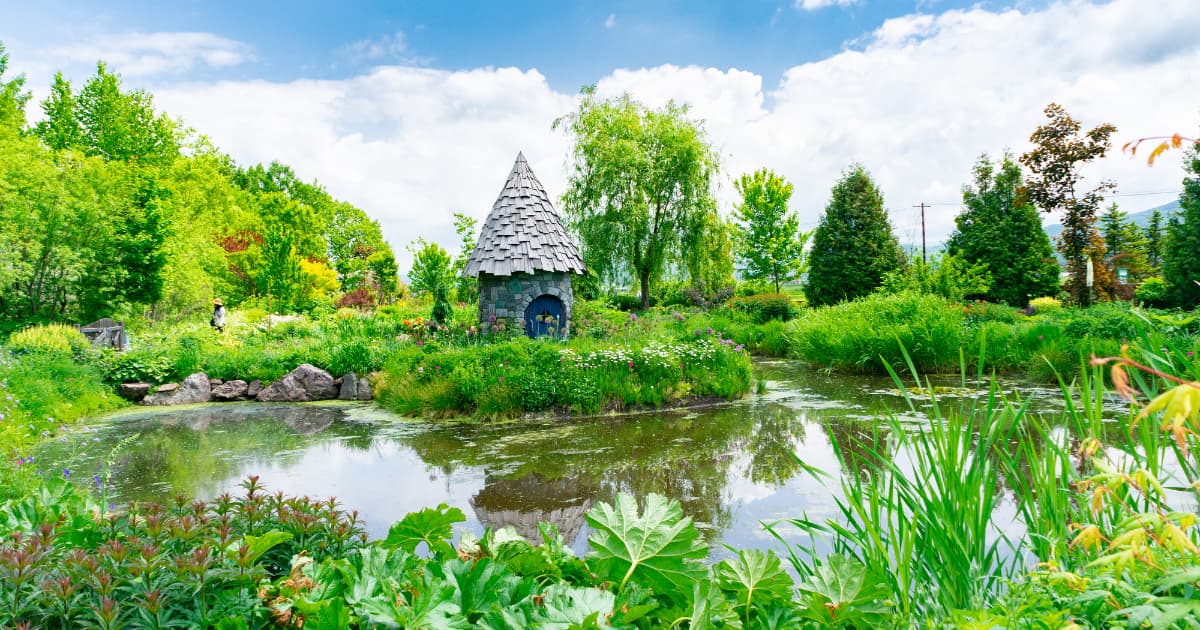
pixel 218 316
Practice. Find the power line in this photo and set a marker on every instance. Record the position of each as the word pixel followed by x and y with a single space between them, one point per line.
pixel 922 206
pixel 1133 194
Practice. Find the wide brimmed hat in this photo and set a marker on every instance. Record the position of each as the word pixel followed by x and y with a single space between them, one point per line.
pixel 218 302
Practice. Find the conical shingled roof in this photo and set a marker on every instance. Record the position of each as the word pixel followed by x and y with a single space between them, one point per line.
pixel 523 233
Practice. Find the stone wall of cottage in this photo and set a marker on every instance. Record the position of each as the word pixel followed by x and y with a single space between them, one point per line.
pixel 505 297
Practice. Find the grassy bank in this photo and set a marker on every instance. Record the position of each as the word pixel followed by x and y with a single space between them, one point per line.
pixel 866 335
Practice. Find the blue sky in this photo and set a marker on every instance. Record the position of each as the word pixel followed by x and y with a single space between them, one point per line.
pixel 415 110
pixel 571 43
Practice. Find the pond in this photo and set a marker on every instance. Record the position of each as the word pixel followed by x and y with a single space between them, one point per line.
pixel 731 466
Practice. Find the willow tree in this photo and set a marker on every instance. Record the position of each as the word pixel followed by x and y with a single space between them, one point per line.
pixel 641 180
pixel 1055 163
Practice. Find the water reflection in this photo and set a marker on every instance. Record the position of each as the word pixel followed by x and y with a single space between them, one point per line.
pixel 731 466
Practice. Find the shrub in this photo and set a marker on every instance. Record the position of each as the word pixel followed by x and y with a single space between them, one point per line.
pixel 765 307
pixel 1153 292
pixel 746 288
pixel 49 339
pixel 186 565
pixel 1045 305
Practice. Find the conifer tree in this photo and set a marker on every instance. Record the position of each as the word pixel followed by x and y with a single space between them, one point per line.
pixel 853 245
pixel 1002 230
pixel 1154 239
pixel 1181 256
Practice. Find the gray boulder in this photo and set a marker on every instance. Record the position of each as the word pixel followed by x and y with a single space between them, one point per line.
pixel 354 387
pixel 193 389
pixel 230 390
pixel 133 391
pixel 364 390
pixel 253 388
pixel 302 384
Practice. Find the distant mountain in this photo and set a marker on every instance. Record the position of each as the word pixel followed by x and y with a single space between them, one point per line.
pixel 1141 218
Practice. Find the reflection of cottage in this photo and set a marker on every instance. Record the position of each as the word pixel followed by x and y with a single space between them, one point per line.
pixel 525 259
pixel 523 503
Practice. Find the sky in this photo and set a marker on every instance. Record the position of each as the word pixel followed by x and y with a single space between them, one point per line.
pixel 413 111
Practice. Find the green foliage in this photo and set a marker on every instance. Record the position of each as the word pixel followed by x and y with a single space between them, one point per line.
pixel 443 313
pixel 948 276
pixel 769 241
pixel 12 98
pixel 868 333
pixel 839 593
pixel 465 289
pixel 853 245
pixel 1181 256
pixel 432 268
pixel 58 339
pixel 1002 232
pixel 1153 292
pixel 656 546
pixel 1055 161
pixel 191 564
pixel 1045 305
pixel 640 188
pixel 765 307
pixel 429 526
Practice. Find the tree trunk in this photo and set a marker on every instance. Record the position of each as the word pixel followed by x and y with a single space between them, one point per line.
pixel 645 290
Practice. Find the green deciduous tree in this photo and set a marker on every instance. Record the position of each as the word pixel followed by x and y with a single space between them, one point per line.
pixel 948 276
pixel 465 289
pixel 121 125
pixel 853 245
pixel 12 97
pixel 1055 164
pixel 770 244
pixel 640 179
pixel 60 129
pixel 1125 242
pixel 999 229
pixel 432 267
pixel 1181 256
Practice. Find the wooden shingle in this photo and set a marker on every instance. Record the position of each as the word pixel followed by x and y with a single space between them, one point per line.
pixel 523 232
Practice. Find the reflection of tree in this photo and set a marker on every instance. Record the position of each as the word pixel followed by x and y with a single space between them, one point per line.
pixel 194 450
pixel 523 503
pixel 860 445
pixel 777 431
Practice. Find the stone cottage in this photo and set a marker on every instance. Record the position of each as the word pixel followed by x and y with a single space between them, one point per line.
pixel 525 260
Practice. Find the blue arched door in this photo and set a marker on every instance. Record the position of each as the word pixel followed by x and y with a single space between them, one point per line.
pixel 545 316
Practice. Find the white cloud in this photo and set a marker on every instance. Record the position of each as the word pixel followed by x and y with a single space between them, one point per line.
pixel 391 48
pixel 610 21
pixel 147 54
pixel 916 102
pixel 813 5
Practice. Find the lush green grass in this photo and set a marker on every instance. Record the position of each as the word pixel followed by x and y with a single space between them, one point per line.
pixel 868 334
pixel 522 375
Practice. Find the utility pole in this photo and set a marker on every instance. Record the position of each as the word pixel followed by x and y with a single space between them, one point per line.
pixel 922 206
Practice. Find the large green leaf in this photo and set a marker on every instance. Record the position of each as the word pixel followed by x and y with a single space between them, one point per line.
pixel 710 610
pixel 566 607
pixel 432 526
pixel 841 594
pixel 753 577
pixel 480 585
pixel 658 547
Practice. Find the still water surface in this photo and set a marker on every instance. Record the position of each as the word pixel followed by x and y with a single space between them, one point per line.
pixel 731 466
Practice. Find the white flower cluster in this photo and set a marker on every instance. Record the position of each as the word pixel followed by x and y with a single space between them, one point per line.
pixel 655 354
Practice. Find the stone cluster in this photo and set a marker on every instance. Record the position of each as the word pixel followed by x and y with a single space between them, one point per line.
pixel 303 384
pixel 505 297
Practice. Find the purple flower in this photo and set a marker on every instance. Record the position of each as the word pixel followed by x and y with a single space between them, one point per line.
pixel 66 473
pixel 699 332
pixel 710 330
pixel 501 379
pixel 492 319
pixel 1190 353
pixel 631 365
pixel 99 482
pixel 1040 337
pixel 420 342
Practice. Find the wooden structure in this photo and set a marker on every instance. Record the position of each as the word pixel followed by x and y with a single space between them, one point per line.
pixel 105 333
pixel 525 260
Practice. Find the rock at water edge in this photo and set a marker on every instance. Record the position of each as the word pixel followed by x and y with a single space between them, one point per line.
pixel 230 390
pixel 133 391
pixel 364 390
pixel 302 384
pixel 349 388
pixel 193 389
pixel 253 388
